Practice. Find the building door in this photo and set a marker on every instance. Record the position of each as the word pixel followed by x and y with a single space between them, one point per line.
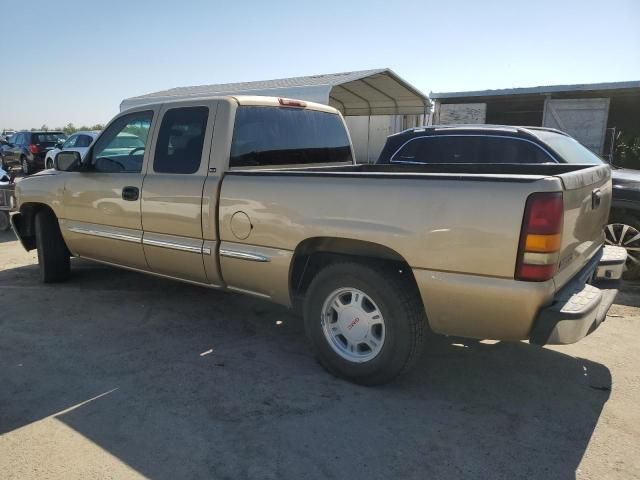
pixel 585 119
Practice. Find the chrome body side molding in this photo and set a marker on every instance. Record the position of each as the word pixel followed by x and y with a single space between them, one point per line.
pixel 251 256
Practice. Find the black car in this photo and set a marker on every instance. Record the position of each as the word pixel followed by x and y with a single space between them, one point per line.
pixel 508 144
pixel 29 149
pixel 5 144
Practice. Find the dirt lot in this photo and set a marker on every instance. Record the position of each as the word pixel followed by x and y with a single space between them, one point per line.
pixel 121 375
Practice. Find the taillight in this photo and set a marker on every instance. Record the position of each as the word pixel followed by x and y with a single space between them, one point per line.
pixel 540 238
pixel 35 149
pixel 287 102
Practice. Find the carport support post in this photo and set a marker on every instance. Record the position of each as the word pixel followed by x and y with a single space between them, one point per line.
pixel 368 135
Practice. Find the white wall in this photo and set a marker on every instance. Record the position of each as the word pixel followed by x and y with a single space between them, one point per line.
pixel 369 134
pixel 460 113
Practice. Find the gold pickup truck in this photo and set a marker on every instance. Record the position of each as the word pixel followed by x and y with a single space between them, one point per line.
pixel 262 196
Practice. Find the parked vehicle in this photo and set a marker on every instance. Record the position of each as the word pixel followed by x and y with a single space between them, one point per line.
pixel 78 142
pixel 8 133
pixel 624 221
pixel 507 144
pixel 29 149
pixel 5 144
pixel 261 196
pixel 6 194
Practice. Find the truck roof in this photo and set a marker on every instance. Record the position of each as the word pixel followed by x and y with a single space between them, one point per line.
pixel 253 100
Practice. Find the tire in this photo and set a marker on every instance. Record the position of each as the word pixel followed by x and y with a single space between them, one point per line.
pixel 49 163
pixel 53 255
pixel 5 224
pixel 621 232
pixel 25 166
pixel 396 345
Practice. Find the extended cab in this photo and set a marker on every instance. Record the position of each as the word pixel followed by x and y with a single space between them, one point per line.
pixel 261 196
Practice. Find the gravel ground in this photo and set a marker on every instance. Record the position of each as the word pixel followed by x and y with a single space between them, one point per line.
pixel 121 375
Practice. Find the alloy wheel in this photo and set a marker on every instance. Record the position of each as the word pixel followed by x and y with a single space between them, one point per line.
pixel 353 325
pixel 623 235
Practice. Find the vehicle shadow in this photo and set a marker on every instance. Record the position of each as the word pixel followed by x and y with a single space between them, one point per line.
pixel 197 383
pixel 7 236
pixel 629 294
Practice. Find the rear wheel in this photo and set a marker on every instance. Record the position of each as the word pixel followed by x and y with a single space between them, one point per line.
pixel 366 324
pixel 53 256
pixel 625 232
pixel 25 166
pixel 49 163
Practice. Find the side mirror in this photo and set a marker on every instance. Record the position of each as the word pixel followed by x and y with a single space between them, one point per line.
pixel 67 161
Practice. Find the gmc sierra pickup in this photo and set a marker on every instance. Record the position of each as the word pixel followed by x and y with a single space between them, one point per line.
pixel 262 196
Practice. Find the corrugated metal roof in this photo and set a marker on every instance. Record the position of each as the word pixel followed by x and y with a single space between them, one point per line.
pixel 222 88
pixel 366 92
pixel 541 90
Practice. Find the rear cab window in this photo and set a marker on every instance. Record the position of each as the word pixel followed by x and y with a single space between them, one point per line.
pixel 278 136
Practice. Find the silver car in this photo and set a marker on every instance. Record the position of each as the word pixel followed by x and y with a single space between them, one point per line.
pixel 78 142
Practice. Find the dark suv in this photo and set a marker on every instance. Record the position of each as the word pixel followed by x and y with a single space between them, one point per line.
pixel 508 144
pixel 29 149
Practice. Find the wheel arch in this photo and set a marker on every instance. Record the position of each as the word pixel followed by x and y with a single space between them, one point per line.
pixel 24 222
pixel 313 254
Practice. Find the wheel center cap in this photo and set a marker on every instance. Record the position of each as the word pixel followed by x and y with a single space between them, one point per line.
pixel 353 324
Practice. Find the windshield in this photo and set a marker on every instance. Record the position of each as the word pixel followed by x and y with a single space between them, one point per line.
pixel 569 149
pixel 47 137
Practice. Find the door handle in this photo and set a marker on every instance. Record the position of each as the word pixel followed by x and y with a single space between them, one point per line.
pixel 595 199
pixel 130 194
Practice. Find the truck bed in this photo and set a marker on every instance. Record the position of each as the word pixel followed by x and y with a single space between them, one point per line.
pixel 498 169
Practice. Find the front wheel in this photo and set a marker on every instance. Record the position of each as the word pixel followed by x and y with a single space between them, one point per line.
pixel 53 255
pixel 49 163
pixel 366 324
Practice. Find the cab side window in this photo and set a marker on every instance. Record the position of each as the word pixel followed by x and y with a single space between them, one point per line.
pixel 83 141
pixel 511 150
pixel 71 142
pixel 180 140
pixel 443 149
pixel 121 147
pixel 470 149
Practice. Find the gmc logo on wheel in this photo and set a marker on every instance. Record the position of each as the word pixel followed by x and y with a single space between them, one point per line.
pixel 353 323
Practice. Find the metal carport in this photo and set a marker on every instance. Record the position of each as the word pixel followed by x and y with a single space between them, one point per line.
pixel 361 93
pixel 375 103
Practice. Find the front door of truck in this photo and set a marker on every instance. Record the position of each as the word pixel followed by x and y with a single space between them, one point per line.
pixel 172 194
pixel 102 218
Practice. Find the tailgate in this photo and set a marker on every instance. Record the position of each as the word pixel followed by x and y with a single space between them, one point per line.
pixel 587 199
